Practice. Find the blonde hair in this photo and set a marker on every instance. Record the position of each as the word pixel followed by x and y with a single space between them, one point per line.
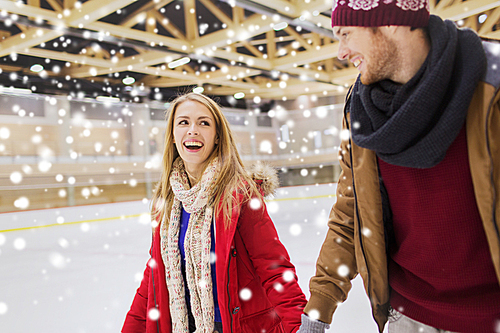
pixel 231 173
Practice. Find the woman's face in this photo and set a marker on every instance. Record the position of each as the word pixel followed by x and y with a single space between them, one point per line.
pixel 194 134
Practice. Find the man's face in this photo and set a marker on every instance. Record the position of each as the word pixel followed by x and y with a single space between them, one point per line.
pixel 370 50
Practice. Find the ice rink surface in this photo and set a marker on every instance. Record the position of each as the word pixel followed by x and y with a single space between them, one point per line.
pixel 76 269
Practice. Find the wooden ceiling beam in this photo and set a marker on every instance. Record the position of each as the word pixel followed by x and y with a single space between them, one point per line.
pixel 298 37
pixel 31 11
pixel 253 26
pixel 169 26
pixel 164 82
pixel 490 22
pixel 94 10
pixel 55 5
pixel 252 49
pixel 314 6
pixel 139 35
pixel 35 3
pixel 26 40
pixel 462 10
pixel 306 57
pixel 137 15
pixel 271 44
pixel 280 6
pixel 238 57
pixel 190 20
pixel 223 17
pixel 443 4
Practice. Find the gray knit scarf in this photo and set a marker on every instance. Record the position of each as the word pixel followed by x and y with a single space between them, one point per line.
pixel 196 201
pixel 413 125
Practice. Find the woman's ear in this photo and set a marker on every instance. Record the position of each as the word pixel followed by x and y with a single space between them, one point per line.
pixel 216 140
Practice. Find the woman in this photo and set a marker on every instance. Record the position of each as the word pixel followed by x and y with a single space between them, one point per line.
pixel 216 261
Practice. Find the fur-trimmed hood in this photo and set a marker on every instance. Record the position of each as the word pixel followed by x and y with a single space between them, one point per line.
pixel 265 176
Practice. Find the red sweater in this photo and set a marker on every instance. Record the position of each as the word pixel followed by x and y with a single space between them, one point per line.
pixel 440 267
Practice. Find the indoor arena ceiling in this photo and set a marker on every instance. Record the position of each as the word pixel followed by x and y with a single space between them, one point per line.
pixel 266 48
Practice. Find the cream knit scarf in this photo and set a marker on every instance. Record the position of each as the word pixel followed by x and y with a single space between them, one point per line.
pixel 197 250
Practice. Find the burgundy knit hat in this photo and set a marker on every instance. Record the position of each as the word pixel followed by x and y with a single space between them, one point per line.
pixel 376 13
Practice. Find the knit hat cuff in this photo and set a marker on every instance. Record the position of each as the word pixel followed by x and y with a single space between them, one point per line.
pixel 380 16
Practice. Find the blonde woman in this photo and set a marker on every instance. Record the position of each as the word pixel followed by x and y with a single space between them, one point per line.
pixel 216 261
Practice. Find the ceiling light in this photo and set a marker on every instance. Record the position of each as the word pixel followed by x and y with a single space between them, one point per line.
pixel 198 90
pixel 280 26
pixel 36 68
pixel 128 80
pixel 239 95
pixel 107 99
pixel 179 62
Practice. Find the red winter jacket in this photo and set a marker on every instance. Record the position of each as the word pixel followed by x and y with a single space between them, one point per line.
pixel 249 255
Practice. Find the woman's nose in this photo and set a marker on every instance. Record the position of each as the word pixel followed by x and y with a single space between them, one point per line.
pixel 193 130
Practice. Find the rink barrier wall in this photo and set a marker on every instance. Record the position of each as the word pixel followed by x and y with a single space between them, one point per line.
pixel 24 223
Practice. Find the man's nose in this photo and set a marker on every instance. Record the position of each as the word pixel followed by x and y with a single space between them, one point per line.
pixel 343 51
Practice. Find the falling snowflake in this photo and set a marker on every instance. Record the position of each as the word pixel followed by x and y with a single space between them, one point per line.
pixel 255 204
pixel 278 287
pixel 57 260
pixel 343 270
pixel 44 166
pixel 295 229
pixel 273 207
pixel 313 314
pixel 4 133
pixel 16 177
pixel 288 276
pixel 144 218
pixel 19 244
pixel 63 242
pixel 22 203
pixel 152 263
pixel 153 314
pixel 3 308
pixel 245 294
pixel 345 135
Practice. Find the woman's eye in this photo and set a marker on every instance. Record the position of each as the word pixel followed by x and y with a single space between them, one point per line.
pixel 183 122
pixel 206 123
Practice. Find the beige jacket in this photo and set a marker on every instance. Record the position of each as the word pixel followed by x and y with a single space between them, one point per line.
pixel 356 235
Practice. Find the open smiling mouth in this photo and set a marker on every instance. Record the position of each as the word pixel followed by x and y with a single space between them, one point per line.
pixel 193 146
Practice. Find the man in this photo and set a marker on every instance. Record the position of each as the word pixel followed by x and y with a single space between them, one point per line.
pixel 418 199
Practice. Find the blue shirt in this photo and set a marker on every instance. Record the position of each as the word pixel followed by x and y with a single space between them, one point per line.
pixel 182 236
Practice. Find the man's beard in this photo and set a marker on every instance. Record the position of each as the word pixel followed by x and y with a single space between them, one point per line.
pixel 383 60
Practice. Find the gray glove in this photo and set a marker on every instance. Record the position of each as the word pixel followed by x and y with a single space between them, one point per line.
pixel 312 326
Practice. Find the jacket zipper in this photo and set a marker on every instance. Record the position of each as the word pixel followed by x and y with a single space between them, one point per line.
pixel 154 292
pixel 228 294
pixel 490 107
pixel 360 234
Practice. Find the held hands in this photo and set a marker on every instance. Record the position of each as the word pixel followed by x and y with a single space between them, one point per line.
pixel 312 326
